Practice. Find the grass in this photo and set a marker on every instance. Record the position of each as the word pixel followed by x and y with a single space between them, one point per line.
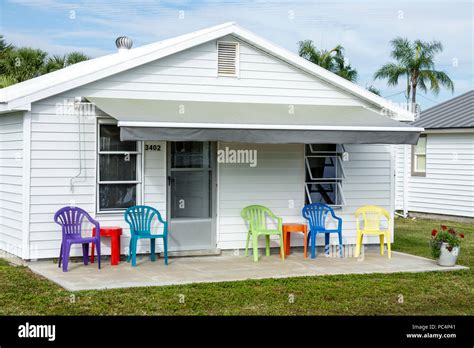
pixel 432 293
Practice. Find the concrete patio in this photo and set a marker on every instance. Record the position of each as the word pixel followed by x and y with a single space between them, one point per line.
pixel 227 267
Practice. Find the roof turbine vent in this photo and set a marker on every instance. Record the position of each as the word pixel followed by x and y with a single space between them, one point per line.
pixel 123 43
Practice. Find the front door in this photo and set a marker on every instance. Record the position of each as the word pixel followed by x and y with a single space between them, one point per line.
pixel 191 195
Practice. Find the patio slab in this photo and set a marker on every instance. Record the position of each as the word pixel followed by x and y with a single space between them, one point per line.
pixel 227 267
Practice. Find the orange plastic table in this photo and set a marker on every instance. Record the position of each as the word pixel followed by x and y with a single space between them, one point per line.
pixel 114 233
pixel 294 227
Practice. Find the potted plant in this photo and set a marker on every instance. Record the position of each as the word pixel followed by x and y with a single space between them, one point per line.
pixel 445 245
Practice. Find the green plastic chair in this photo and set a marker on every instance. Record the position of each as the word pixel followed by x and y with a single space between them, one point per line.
pixel 256 217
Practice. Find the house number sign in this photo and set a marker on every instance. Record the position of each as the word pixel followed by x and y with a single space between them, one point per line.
pixel 152 147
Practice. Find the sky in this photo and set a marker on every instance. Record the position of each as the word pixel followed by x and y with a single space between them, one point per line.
pixel 363 28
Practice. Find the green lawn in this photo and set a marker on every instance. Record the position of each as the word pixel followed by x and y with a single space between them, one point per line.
pixel 433 293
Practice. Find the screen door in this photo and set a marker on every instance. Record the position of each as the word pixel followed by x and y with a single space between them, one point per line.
pixel 191 195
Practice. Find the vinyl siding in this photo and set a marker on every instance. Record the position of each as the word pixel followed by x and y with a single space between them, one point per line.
pixel 448 187
pixel 11 182
pixel 55 160
pixel 192 75
pixel 400 168
pixel 277 182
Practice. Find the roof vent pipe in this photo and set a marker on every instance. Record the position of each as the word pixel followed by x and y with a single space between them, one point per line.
pixel 123 43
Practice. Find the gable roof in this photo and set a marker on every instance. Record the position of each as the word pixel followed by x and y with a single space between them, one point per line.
pixel 454 113
pixel 20 96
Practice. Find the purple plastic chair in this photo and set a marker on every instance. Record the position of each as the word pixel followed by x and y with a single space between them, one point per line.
pixel 70 219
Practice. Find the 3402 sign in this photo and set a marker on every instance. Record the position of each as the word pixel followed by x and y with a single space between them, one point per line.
pixel 152 147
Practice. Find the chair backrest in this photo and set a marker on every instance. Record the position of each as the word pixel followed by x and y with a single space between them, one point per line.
pixel 371 215
pixel 256 215
pixel 316 214
pixel 140 218
pixel 70 219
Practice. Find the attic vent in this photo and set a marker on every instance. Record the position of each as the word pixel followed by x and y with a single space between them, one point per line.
pixel 227 58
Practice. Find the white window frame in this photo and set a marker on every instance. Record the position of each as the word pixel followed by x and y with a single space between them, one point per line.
pixel 139 169
pixel 414 167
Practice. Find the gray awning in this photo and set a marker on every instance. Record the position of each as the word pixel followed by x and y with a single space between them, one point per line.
pixel 166 120
pixel 266 136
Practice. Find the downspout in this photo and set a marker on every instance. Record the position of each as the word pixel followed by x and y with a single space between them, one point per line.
pixel 77 104
pixel 405 180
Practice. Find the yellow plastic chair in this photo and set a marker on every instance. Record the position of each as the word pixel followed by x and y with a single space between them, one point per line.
pixel 371 216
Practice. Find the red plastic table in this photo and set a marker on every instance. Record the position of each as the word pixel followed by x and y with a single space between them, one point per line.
pixel 289 228
pixel 114 233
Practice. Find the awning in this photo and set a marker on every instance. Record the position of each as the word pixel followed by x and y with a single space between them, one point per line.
pixel 254 123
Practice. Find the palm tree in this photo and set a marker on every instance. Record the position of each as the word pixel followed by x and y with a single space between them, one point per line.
pixel 332 60
pixel 75 57
pixel 58 62
pixel 23 63
pixel 373 89
pixel 415 61
pixel 53 63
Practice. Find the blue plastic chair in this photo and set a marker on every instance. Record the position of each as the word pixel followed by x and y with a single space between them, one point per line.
pixel 140 217
pixel 316 214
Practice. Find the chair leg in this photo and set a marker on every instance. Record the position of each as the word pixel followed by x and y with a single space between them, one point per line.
pixel 98 253
pixel 134 252
pixel 305 244
pixel 129 250
pixel 358 244
pixel 282 247
pixel 152 249
pixel 66 252
pixel 313 245
pixel 85 253
pixel 60 255
pixel 340 244
pixel 165 249
pixel 247 244
pixel 326 244
pixel 389 249
pixel 382 246
pixel 267 245
pixel 255 246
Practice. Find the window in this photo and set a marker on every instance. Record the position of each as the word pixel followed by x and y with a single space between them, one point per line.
pixel 118 170
pixel 418 159
pixel 227 58
pixel 324 174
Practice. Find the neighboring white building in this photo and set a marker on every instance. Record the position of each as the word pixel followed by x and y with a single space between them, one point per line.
pixel 437 175
pixel 178 102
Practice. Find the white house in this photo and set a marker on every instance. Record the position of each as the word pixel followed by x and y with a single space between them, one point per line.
pixel 159 124
pixel 437 175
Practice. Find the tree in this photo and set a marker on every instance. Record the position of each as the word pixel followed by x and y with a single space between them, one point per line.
pixel 58 62
pixel 53 63
pixel 332 60
pixel 373 89
pixel 24 63
pixel 21 64
pixel 5 49
pixel 415 61
pixel 75 57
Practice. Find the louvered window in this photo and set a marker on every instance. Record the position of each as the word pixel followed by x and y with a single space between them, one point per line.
pixel 227 58
pixel 325 174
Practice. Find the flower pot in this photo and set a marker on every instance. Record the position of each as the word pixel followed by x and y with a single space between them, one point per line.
pixel 448 258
